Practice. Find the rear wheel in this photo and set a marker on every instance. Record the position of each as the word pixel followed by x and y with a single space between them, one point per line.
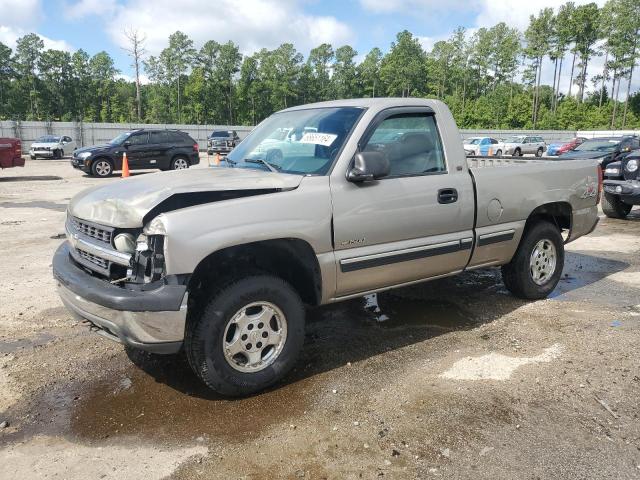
pixel 539 152
pixel 535 269
pixel 57 154
pixel 499 153
pixel 517 152
pixel 248 336
pixel 101 168
pixel 613 207
pixel 179 163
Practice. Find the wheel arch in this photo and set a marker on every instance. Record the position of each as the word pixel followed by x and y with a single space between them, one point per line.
pixel 557 213
pixel 291 259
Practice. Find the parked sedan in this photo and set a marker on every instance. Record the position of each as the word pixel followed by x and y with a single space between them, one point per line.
pixel 523 144
pixel 564 146
pixel 481 146
pixel 52 146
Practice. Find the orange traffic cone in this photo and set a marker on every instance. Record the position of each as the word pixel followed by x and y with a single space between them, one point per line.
pixel 125 165
pixel 217 162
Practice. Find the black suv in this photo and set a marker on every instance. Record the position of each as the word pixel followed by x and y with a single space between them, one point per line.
pixel 222 141
pixel 145 148
pixel 622 186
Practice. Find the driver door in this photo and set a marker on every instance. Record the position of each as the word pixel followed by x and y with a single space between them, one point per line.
pixel 415 223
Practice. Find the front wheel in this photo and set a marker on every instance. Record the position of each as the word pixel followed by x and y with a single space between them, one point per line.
pixel 613 207
pixel 517 152
pixel 539 152
pixel 248 336
pixel 499 153
pixel 179 163
pixel 535 269
pixel 101 168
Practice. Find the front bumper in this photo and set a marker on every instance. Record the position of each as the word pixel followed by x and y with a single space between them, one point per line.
pixel 40 153
pixel 151 320
pixel 627 190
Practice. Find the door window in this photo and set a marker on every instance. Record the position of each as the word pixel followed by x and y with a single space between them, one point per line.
pixel 158 137
pixel 138 138
pixel 411 144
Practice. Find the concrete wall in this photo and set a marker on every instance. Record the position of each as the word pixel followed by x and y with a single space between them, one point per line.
pixel 95 133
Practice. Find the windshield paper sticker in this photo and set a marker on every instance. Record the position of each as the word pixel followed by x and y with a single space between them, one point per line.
pixel 325 139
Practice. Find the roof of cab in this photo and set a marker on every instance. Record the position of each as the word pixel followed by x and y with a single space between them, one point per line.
pixel 377 103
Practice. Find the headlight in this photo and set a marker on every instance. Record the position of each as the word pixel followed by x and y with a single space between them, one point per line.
pixel 125 242
pixel 613 171
pixel 632 165
pixel 142 243
pixel 84 155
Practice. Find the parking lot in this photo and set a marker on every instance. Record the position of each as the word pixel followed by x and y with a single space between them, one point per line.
pixel 449 379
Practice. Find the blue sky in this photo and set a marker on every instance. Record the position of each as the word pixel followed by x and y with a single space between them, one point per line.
pixel 95 25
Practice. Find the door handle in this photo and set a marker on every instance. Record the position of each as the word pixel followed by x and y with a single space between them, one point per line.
pixel 447 195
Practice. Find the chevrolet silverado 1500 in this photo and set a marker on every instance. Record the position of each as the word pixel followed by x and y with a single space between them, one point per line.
pixel 372 194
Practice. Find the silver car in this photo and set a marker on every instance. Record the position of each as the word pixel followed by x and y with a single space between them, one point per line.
pixel 521 145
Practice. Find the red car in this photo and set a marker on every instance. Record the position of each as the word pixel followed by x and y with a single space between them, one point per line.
pixel 564 146
pixel 11 153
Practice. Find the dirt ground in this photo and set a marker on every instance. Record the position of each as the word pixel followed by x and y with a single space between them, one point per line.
pixel 449 379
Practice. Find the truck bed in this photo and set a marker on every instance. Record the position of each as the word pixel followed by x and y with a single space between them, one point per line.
pixel 492 161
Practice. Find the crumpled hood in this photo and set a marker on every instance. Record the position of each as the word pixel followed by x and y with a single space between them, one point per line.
pixel 44 144
pixel 125 203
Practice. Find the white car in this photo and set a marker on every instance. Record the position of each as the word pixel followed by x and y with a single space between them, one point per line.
pixel 523 144
pixel 52 146
pixel 481 146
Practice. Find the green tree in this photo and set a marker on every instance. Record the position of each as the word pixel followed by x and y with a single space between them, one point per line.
pixel 345 77
pixel 537 36
pixel 320 61
pixel 369 72
pixel 403 69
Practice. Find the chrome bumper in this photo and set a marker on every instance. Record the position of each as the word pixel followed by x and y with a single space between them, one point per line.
pixel 157 332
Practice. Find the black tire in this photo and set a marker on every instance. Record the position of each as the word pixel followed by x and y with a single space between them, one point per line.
pixel 204 337
pixel 179 162
pixel 101 167
pixel 499 153
pixel 517 152
pixel 613 207
pixel 32 157
pixel 517 274
pixel 539 152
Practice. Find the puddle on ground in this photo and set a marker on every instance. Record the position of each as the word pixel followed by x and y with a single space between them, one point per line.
pixel 165 401
pixel 30 178
pixel 12 346
pixel 58 207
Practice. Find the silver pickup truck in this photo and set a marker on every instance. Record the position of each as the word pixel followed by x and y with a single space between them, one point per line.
pixel 372 194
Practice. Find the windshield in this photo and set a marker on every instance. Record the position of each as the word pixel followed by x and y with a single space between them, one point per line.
pixel 607 145
pixel 473 141
pixel 514 140
pixel 48 139
pixel 120 138
pixel 302 141
pixel 221 134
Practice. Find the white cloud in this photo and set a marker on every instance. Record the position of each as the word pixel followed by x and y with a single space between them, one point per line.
pixel 20 13
pixel 144 79
pixel 18 18
pixel 84 8
pixel 516 13
pixel 411 7
pixel 9 36
pixel 252 24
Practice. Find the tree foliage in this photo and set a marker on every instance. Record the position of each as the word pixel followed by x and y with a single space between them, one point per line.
pixel 492 78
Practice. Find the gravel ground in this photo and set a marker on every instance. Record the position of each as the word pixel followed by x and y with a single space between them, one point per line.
pixel 449 379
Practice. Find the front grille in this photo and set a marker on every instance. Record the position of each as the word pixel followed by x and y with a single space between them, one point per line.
pixel 93 231
pixel 89 257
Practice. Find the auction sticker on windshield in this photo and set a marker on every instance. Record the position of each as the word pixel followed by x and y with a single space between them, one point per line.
pixel 325 139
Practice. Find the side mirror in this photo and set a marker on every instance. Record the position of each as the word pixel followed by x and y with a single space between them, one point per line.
pixel 126 144
pixel 368 166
